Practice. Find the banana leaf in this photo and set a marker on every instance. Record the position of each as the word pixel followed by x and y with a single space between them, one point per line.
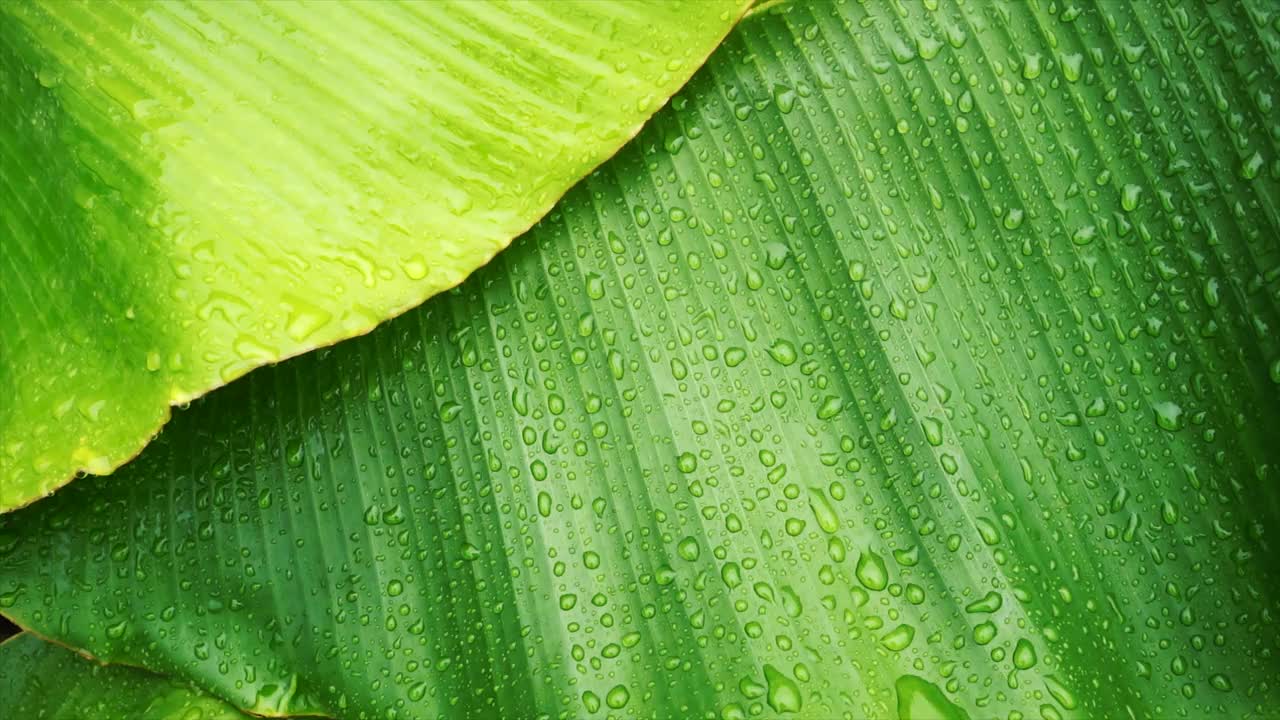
pixel 915 362
pixel 195 189
pixel 43 681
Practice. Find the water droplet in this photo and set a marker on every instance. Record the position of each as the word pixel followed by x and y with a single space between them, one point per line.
pixel 871 571
pixel 783 695
pixel 830 407
pixel 823 512
pixel 899 638
pixel 415 267
pixel 783 352
pixel 1024 655
pixel 1084 235
pixel 1060 692
pixel 1168 415
pixel 919 699
pixel 688 549
pixel 785 97
pixel 1249 170
pixel 617 697
pixel 305 320
pixel 989 603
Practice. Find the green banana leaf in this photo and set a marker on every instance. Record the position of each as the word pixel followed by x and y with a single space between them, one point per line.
pixel 914 363
pixel 43 681
pixel 196 189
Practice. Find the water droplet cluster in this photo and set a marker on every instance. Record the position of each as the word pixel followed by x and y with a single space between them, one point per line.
pixel 919 361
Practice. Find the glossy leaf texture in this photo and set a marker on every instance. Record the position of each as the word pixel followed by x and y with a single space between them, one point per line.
pixel 914 363
pixel 195 189
pixel 43 681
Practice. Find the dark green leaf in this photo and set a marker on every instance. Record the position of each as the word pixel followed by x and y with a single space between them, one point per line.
pixel 42 681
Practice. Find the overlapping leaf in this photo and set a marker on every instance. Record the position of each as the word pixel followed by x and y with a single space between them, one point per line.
pixel 47 682
pixel 914 362
pixel 195 189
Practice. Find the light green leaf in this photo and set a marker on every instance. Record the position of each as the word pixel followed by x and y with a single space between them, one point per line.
pixel 43 681
pixel 196 189
pixel 913 363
